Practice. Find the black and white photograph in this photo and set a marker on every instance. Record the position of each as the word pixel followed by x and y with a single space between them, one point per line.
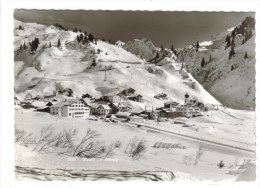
pixel 133 95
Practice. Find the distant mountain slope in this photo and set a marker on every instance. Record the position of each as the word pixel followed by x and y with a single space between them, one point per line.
pixel 231 81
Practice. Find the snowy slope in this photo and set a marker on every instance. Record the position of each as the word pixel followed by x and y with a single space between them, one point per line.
pixel 71 66
pixel 234 88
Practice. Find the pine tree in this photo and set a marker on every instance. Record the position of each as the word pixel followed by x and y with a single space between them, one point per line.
pixel 172 48
pixel 85 40
pixel 203 62
pixel 232 68
pixel 78 38
pixel 21 47
pixel 162 48
pixel 157 55
pixel 228 42
pixel 85 33
pixel 90 37
pixel 50 45
pixel 245 56
pixel 59 44
pixel 231 52
pixel 81 37
pixel 24 46
pixel 197 46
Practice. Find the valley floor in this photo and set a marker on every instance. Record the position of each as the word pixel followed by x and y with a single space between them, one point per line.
pixel 232 127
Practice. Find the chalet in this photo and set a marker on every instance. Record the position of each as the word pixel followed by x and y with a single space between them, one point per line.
pixel 93 108
pixel 170 104
pixel 114 108
pixel 111 98
pixel 127 92
pixel 135 97
pixel 72 109
pixel 169 113
pixel 191 111
pixel 103 110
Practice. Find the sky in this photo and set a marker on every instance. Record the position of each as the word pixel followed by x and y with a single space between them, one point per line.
pixel 163 28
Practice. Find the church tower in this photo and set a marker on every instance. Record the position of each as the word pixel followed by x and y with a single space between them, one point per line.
pixel 186 100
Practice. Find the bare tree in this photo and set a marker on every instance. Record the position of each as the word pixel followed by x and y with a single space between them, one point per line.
pixel 19 135
pixel 117 143
pixel 46 133
pixel 136 148
pixel 23 137
pixel 90 134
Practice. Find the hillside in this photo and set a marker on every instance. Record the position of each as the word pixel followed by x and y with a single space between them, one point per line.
pixel 72 66
pixel 231 81
pixel 52 63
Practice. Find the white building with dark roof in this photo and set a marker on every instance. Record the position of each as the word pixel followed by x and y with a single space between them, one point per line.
pixel 71 108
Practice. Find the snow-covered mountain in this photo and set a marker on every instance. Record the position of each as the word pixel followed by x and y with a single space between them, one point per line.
pixel 230 80
pixel 81 67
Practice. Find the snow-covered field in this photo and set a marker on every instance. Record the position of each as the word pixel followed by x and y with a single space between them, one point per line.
pixel 178 161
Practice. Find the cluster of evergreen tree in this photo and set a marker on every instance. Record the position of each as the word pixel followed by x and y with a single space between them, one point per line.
pixel 76 30
pixel 204 62
pixel 34 44
pixel 60 27
pixel 23 46
pixel 245 29
pixel 84 38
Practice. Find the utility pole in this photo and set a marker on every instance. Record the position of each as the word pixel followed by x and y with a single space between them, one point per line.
pixel 105 75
